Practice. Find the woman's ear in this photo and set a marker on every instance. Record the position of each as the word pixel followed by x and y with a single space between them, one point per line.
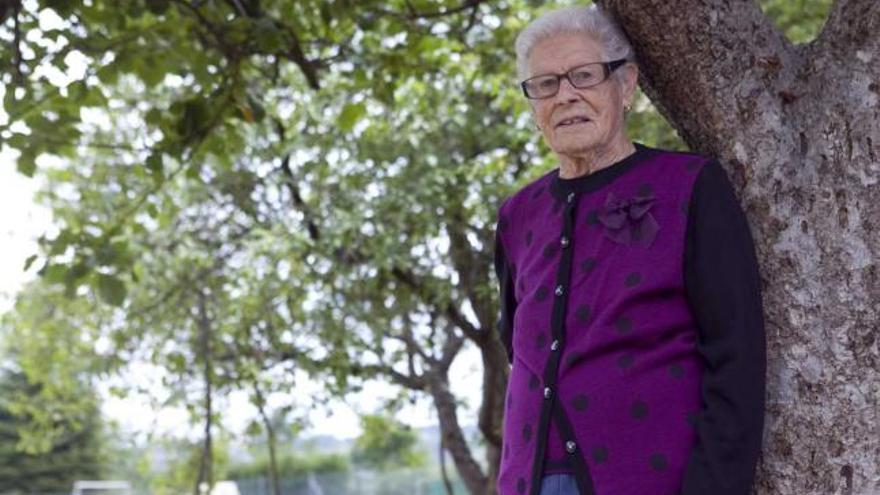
pixel 630 80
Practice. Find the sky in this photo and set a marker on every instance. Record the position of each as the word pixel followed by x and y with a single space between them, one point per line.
pixel 22 221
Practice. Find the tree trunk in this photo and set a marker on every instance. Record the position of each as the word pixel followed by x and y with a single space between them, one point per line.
pixel 496 371
pixel 206 474
pixel 797 127
pixel 453 437
pixel 270 439
pixel 446 483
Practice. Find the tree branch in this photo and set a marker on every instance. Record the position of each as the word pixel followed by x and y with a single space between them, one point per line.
pixel 413 14
pixel 451 346
pixel 295 53
pixel 853 26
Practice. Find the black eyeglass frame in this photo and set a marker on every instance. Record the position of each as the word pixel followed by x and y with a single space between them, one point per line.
pixel 607 67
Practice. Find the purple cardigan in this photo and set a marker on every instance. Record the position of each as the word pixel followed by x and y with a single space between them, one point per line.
pixel 632 316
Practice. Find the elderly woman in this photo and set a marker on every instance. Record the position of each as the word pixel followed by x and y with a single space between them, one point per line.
pixel 631 305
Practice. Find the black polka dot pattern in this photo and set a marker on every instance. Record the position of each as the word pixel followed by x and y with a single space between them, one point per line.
pixel 529 236
pixel 550 249
pixel 580 402
pixel 534 382
pixel 599 454
pixel 593 217
pixel 633 279
pixel 588 264
pixel 625 361
pixel 527 432
pixel 582 313
pixel 676 371
pixel 542 293
pixel 639 409
pixel 623 324
pixel 540 340
pixel 658 461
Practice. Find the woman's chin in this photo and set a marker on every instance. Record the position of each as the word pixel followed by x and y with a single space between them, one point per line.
pixel 576 145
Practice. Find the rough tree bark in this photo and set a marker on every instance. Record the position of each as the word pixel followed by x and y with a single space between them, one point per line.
pixel 797 127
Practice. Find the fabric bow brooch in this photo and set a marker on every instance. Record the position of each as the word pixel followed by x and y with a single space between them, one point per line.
pixel 627 221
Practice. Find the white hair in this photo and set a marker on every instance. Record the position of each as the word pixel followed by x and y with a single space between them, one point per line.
pixel 590 21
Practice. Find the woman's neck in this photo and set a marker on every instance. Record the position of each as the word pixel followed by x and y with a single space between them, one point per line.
pixel 572 166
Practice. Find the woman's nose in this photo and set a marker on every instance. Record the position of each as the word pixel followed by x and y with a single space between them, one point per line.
pixel 566 90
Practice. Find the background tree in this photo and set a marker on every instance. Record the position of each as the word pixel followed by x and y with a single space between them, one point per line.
pixel 360 149
pixel 386 444
pixel 75 452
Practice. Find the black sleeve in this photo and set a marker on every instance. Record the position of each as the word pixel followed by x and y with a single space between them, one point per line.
pixel 508 301
pixel 723 289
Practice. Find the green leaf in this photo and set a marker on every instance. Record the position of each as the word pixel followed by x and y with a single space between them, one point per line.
pixel 111 289
pixel 29 261
pixel 195 114
pixel 109 73
pixel 106 254
pixel 256 108
pixel 158 7
pixel 154 164
pixel 27 163
pixel 53 273
pixel 350 115
pixel 150 71
pixel 268 37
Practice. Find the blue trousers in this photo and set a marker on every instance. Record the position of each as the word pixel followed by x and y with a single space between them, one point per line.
pixel 559 484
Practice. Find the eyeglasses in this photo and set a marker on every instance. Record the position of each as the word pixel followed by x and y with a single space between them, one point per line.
pixel 581 77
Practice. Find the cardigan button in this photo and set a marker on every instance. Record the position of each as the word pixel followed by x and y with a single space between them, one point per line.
pixel 547 392
pixel 564 241
pixel 570 446
pixel 559 290
pixel 570 197
pixel 554 345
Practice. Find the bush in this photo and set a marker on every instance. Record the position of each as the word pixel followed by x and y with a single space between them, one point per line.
pixel 292 465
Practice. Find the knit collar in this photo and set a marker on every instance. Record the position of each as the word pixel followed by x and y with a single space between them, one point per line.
pixel 560 188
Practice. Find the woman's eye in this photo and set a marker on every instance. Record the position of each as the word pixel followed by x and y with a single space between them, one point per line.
pixel 583 75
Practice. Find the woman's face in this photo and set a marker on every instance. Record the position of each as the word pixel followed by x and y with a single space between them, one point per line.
pixel 601 105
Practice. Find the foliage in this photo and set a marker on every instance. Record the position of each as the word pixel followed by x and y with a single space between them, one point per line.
pixel 292 465
pixel 800 20
pixel 50 340
pixel 174 465
pixel 76 451
pixel 386 444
